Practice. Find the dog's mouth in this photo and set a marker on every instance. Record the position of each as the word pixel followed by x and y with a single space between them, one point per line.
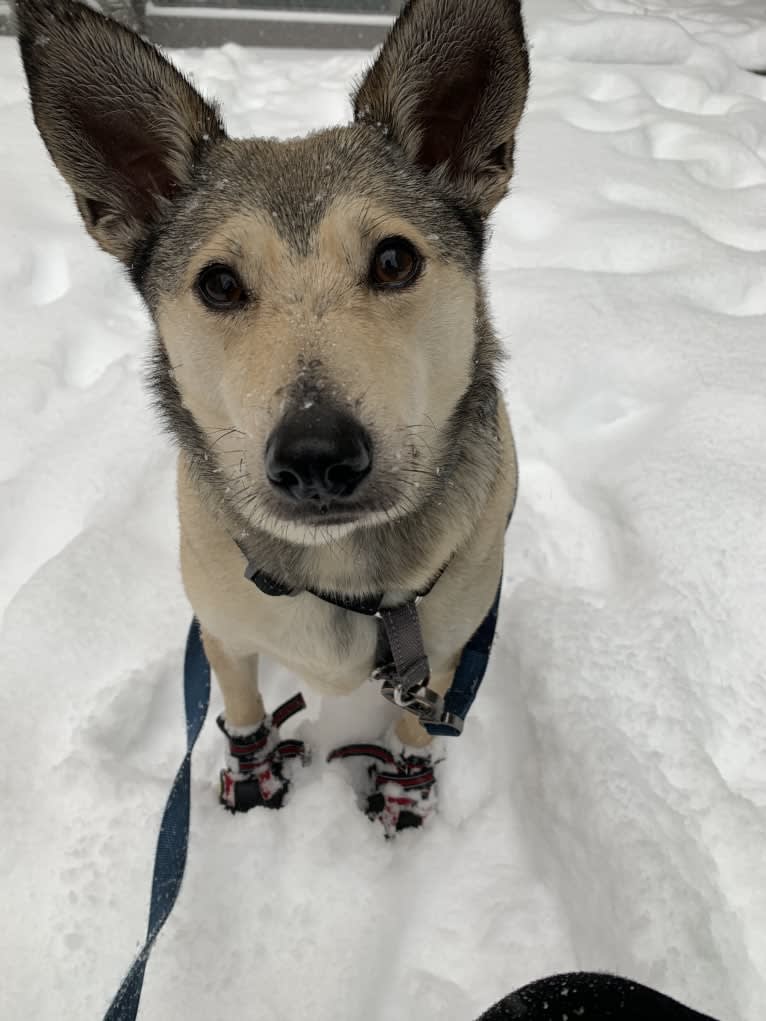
pixel 329 513
pixel 318 521
pixel 325 514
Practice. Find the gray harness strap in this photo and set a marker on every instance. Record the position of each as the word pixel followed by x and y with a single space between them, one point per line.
pixel 405 639
pixel 405 679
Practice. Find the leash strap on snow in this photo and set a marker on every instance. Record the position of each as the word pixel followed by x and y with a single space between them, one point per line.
pixel 173 839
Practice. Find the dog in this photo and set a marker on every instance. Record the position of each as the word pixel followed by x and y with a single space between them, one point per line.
pixel 323 354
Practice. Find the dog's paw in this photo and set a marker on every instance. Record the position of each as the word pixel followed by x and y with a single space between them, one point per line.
pixel 401 783
pixel 259 766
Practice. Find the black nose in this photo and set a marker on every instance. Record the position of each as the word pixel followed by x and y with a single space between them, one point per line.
pixel 318 454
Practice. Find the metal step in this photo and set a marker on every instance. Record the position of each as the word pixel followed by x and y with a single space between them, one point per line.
pixel 173 24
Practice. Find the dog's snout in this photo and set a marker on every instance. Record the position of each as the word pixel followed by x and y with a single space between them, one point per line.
pixel 318 454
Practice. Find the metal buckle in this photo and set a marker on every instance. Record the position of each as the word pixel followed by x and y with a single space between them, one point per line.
pixel 423 702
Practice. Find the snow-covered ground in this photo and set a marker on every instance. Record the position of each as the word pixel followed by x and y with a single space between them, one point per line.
pixel 606 807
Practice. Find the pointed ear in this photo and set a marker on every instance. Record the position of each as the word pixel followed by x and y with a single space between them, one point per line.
pixel 449 86
pixel 122 125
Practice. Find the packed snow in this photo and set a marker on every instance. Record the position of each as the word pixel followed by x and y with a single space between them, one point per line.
pixel 606 806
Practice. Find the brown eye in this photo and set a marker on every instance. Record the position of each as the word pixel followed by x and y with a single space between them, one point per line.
pixel 220 288
pixel 396 263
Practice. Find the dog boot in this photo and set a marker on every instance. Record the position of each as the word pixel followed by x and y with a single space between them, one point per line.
pixel 257 763
pixel 402 785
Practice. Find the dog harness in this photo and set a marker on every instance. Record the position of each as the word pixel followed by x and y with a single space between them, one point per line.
pixel 403 666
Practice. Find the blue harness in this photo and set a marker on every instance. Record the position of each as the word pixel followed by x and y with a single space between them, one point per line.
pixel 470 672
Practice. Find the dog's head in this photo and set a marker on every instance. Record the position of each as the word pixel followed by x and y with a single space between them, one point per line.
pixel 317 299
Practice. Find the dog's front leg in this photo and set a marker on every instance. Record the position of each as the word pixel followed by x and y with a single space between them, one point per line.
pixel 257 770
pixel 237 678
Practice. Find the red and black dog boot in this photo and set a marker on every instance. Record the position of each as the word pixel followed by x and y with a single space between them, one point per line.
pixel 258 764
pixel 402 785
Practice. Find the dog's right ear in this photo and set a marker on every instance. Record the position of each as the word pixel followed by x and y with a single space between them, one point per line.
pixel 122 125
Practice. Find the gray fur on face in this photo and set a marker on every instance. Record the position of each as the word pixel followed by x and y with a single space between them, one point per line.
pixel 295 183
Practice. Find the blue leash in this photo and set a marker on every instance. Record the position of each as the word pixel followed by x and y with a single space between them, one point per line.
pixel 173 839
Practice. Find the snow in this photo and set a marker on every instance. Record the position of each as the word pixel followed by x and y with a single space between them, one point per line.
pixel 606 806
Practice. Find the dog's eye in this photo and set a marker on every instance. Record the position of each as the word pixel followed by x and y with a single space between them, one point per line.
pixel 396 263
pixel 220 288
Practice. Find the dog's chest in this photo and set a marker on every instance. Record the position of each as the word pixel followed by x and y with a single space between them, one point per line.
pixel 332 649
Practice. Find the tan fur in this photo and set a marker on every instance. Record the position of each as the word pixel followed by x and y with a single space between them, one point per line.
pixel 161 186
pixel 237 376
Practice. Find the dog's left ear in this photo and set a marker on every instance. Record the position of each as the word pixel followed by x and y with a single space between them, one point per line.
pixel 449 86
